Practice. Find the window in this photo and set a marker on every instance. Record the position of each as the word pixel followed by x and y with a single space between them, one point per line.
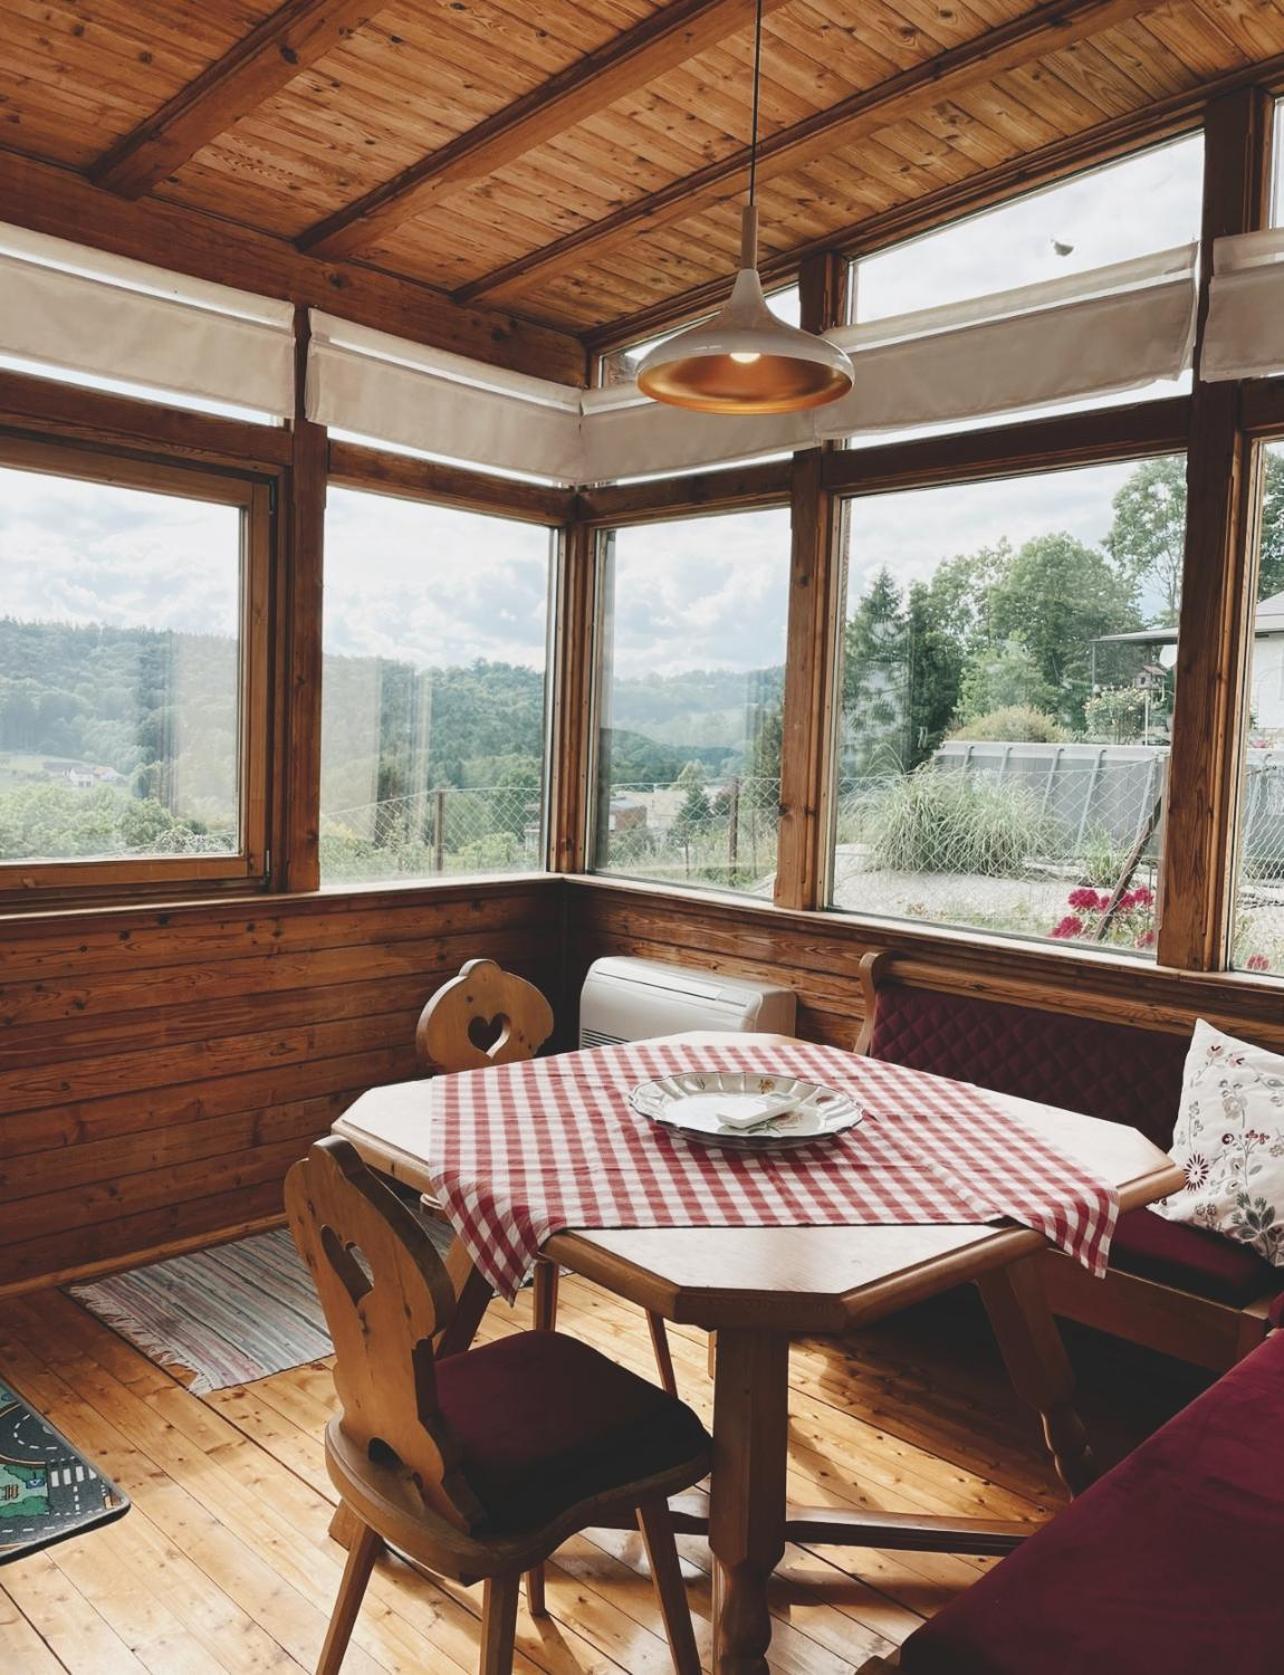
pixel 690 684
pixel 1007 684
pixel 1144 204
pixel 620 366
pixel 131 685
pixel 433 692
pixel 1258 936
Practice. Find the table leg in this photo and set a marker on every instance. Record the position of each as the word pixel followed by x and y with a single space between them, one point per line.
pixel 747 1492
pixel 1037 1364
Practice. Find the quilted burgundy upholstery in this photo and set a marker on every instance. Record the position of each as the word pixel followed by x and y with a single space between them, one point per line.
pixel 1112 1071
pixel 1171 1563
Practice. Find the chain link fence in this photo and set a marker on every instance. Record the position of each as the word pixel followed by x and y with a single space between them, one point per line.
pixel 720 832
pixel 446 830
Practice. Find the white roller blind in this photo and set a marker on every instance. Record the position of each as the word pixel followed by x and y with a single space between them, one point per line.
pixel 392 390
pixel 1112 329
pixel 80 310
pixel 1244 331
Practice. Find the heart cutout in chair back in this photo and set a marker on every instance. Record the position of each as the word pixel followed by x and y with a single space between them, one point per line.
pixel 489 1034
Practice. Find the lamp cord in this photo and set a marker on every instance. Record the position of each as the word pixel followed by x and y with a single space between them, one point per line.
pixel 757 85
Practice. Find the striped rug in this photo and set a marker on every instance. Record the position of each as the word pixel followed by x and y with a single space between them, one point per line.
pixel 223 1316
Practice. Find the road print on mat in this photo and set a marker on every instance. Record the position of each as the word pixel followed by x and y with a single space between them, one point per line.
pixel 48 1490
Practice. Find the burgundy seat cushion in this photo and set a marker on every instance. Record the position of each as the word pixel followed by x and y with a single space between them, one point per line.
pixel 543 1422
pixel 1191 1259
pixel 1114 1071
pixel 1170 1563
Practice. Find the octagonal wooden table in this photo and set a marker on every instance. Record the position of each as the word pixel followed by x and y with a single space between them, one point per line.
pixel 756 1287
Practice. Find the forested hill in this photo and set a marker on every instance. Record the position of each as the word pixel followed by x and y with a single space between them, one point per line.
pixel 123 699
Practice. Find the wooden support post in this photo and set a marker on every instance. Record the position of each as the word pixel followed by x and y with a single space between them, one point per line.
pixel 569 788
pixel 301 539
pixel 815 605
pixel 1196 882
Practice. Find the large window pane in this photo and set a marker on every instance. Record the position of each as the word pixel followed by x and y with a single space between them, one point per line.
pixel 120 684
pixel 433 731
pixel 1007 689
pixel 689 700
pixel 1143 204
pixel 1258 939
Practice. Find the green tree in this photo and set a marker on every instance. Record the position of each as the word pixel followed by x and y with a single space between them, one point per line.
pixel 1148 535
pixel 1055 598
pixel 876 680
pixel 1006 676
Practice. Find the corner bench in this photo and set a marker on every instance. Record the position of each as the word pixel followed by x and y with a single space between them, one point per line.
pixel 1173 1288
pixel 1169 1563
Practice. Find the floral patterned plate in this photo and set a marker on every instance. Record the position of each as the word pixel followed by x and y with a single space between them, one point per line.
pixel 721 1108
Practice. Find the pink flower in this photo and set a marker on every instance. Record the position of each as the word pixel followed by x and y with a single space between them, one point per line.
pixel 1143 896
pixel 1086 898
pixel 1257 962
pixel 1145 940
pixel 1070 926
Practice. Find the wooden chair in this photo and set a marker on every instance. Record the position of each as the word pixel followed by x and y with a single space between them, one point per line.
pixel 488 1016
pixel 479 1465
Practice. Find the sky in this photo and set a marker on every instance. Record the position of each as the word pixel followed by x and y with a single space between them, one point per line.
pixel 434 585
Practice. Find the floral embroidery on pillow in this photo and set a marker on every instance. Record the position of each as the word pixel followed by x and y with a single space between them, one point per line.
pixel 1229 1138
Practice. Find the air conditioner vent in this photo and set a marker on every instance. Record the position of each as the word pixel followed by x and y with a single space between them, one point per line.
pixel 625 999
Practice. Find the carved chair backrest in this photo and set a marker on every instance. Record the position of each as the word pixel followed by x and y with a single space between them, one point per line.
pixel 386 1295
pixel 484 1016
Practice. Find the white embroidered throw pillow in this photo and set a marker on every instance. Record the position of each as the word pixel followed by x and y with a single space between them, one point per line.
pixel 1230 1141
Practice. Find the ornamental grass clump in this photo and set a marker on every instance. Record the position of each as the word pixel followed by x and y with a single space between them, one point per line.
pixel 934 821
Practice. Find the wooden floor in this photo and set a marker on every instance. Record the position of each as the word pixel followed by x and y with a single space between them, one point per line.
pixel 224 1563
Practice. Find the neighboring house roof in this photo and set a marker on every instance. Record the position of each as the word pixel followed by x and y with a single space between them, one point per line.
pixel 1268 622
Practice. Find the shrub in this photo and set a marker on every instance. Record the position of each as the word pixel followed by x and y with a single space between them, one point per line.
pixel 942 821
pixel 1014 724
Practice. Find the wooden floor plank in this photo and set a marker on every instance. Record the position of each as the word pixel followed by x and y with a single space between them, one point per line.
pixel 224 1565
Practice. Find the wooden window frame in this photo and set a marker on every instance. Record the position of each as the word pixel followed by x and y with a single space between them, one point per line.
pixel 367 469
pixel 46 882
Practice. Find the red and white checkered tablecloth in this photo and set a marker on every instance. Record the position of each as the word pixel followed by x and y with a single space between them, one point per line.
pixel 520 1151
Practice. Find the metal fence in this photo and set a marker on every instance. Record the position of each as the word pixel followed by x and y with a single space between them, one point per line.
pixel 722 831
pixel 447 829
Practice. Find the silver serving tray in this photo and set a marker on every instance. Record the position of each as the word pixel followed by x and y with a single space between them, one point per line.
pixel 692 1103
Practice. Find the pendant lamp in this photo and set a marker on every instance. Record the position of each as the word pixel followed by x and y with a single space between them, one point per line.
pixel 746 360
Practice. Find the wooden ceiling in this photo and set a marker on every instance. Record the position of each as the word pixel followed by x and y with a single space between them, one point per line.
pixel 580 162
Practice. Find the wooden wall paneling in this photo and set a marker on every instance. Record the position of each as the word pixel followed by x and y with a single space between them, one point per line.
pixel 812 647
pixel 818 955
pixel 160 1068
pixel 1196 882
pixel 265 60
pixel 56 201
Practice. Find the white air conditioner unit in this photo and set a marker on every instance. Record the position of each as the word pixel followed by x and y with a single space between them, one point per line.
pixel 629 1000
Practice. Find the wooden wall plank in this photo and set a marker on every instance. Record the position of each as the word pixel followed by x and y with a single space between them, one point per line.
pixel 161 1068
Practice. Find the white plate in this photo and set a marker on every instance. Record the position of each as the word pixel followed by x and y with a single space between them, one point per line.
pixel 695 1103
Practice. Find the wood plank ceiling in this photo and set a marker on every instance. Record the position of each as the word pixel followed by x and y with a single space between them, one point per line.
pixel 580 162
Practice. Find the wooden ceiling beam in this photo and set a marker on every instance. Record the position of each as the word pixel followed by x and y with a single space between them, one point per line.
pixel 58 201
pixel 1029 172
pixel 661 42
pixel 270 56
pixel 1048 28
